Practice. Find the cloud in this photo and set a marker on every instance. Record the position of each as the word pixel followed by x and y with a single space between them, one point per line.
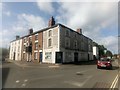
pixel 7 13
pixel 21 26
pixel 92 17
pixel 46 7
pixel 31 21
pixel 111 42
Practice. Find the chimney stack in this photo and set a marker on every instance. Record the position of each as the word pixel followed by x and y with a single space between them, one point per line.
pixel 79 30
pixel 30 31
pixel 17 37
pixel 51 22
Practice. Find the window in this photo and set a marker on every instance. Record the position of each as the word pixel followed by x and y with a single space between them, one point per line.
pixel 50 33
pixel 75 44
pixel 82 46
pixel 24 47
pixel 30 39
pixel 48 55
pixel 67 33
pixel 18 48
pixel 49 42
pixel 67 42
pixel 35 55
pixel 24 40
pixel 36 37
pixel 36 45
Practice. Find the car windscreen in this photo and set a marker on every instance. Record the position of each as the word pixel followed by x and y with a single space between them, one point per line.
pixel 104 59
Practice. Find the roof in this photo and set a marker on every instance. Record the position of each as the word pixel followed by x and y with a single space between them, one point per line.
pixel 44 29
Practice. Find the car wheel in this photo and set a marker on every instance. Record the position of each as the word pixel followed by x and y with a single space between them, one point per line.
pixel 98 67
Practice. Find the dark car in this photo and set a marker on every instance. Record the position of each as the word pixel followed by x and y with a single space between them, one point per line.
pixel 104 63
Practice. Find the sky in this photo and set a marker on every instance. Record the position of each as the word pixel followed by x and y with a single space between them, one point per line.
pixel 98 20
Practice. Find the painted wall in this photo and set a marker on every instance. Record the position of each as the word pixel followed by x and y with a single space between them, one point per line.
pixel 95 51
pixel 16 49
pixel 81 49
pixel 49 52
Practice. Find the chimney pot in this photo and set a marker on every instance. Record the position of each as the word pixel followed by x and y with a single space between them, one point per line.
pixel 51 22
pixel 30 31
pixel 17 37
pixel 79 30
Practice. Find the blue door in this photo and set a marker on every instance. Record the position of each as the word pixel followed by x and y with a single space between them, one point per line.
pixel 40 57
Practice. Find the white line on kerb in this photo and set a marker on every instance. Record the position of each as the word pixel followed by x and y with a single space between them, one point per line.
pixel 114 82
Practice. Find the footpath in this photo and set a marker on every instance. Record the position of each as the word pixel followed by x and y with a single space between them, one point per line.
pixel 31 64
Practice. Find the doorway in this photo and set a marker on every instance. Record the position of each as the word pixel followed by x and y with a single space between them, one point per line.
pixel 59 57
pixel 14 56
pixel 75 57
pixel 40 59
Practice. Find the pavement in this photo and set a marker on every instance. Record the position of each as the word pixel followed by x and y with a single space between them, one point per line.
pixel 17 74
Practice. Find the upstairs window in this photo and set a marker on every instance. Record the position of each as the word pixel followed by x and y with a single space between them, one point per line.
pixel 30 39
pixel 24 40
pixel 24 47
pixel 75 44
pixel 50 33
pixel 67 33
pixel 36 37
pixel 36 46
pixel 49 42
pixel 67 42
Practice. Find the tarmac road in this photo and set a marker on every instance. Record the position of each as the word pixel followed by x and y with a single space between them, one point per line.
pixel 17 75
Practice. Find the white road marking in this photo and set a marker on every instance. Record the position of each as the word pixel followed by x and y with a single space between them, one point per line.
pixel 114 82
pixel 17 81
pixel 25 80
pixel 76 83
pixel 23 85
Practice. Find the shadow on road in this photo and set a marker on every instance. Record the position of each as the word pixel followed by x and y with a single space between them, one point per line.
pixel 93 62
pixel 86 63
pixel 5 72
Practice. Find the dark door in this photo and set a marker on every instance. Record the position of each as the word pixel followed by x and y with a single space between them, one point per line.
pixel 88 57
pixel 40 56
pixel 75 57
pixel 14 56
pixel 59 57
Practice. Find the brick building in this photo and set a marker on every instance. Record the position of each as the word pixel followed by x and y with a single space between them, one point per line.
pixel 56 44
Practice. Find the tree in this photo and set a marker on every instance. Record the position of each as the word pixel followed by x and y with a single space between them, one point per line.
pixel 109 53
pixel 101 50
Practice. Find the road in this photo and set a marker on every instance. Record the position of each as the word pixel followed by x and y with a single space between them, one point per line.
pixel 86 75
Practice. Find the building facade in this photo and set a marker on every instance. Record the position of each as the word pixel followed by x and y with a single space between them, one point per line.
pixel 16 49
pixel 95 52
pixel 55 44
pixel 32 47
pixel 63 45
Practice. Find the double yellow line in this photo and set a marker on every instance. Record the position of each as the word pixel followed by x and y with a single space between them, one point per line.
pixel 114 83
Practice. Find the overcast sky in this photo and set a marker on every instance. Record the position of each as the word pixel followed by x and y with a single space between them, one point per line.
pixel 98 20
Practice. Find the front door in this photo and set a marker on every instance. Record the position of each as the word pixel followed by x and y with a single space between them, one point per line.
pixel 40 57
pixel 75 57
pixel 14 56
pixel 59 57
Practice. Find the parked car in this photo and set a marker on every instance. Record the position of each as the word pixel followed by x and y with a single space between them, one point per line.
pixel 104 63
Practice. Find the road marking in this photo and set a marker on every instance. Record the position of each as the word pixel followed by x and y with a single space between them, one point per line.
pixel 79 84
pixel 17 81
pixel 25 80
pixel 114 83
pixel 53 66
pixel 23 85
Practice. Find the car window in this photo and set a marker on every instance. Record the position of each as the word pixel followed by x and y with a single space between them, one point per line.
pixel 104 59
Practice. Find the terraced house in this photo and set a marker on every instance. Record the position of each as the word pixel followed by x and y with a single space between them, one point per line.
pixel 56 44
